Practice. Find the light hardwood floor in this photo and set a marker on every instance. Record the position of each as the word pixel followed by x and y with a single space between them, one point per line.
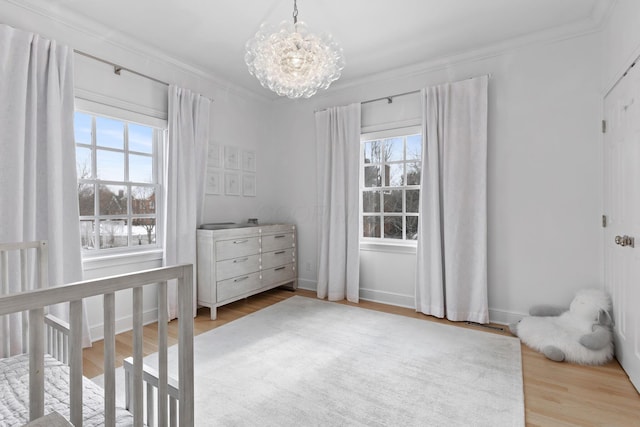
pixel 556 394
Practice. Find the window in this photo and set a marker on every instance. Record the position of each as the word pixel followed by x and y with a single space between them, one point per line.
pixel 118 187
pixel 390 184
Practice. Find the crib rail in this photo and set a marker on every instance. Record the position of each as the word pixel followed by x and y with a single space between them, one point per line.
pixel 33 260
pixel 34 303
pixel 151 385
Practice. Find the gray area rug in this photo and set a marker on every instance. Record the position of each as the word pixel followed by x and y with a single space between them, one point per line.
pixel 306 362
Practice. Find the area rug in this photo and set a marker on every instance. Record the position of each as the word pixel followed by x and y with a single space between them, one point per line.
pixel 306 362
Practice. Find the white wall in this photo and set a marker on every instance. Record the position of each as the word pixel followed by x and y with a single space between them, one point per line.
pixel 544 172
pixel 238 118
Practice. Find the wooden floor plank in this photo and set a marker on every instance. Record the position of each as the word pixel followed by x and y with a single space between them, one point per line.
pixel 556 394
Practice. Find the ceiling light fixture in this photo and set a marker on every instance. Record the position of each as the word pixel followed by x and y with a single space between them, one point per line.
pixel 291 61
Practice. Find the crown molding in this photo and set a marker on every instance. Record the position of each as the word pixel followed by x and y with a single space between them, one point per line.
pixel 87 28
pixel 550 36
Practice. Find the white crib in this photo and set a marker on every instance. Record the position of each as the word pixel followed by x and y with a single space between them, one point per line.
pixel 167 402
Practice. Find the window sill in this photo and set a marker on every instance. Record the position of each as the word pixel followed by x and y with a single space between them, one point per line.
pixel 120 259
pixel 389 247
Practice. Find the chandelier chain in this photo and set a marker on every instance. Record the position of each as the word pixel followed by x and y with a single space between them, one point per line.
pixel 295 12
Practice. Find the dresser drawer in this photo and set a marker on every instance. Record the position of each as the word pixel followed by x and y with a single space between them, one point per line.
pixel 283 273
pixel 275 242
pixel 237 286
pixel 236 248
pixel 278 258
pixel 237 267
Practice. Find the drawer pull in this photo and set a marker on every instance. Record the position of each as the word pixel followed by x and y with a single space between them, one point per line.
pixel 236 242
pixel 280 252
pixel 279 268
pixel 280 236
pixel 235 261
pixel 240 279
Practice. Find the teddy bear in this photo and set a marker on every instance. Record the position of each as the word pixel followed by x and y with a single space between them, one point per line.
pixel 580 334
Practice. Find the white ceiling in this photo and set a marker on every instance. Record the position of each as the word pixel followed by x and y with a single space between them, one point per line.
pixel 376 35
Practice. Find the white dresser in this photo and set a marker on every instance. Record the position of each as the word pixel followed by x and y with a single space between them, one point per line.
pixel 236 261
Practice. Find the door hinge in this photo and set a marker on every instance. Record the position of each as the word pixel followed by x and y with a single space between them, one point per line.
pixel 604 126
pixel 604 221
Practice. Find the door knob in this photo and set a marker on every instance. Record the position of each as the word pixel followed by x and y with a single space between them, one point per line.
pixel 625 241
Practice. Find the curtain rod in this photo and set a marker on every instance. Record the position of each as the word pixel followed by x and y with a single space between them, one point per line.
pixel 117 68
pixel 389 98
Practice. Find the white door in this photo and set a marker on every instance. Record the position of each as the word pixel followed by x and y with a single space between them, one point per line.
pixel 622 209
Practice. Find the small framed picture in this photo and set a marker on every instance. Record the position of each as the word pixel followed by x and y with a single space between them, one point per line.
pixel 213 158
pixel 231 157
pixel 232 183
pixel 213 181
pixel 249 185
pixel 249 161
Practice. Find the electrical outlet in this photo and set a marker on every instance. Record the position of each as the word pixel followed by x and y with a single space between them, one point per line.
pixel 307 267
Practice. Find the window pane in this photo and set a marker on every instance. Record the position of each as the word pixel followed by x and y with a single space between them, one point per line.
pixel 143 200
pixel 372 152
pixel 412 227
pixel 140 138
pixel 413 199
pixel 109 133
pixel 143 231
pixel 372 176
pixel 113 200
pixel 414 147
pixel 393 201
pixel 113 233
pixel 393 149
pixel 82 128
pixel 393 227
pixel 140 168
pixel 110 165
pixel 371 201
pixel 86 199
pixel 413 173
pixel 83 162
pixel 370 226
pixel 87 236
pixel 395 175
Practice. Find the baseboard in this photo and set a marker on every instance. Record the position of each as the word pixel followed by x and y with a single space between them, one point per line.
pixel 400 300
pixel 308 285
pixel 503 317
pixel 124 324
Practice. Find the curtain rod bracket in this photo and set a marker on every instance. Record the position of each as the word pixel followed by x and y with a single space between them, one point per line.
pixel 389 100
pixel 117 69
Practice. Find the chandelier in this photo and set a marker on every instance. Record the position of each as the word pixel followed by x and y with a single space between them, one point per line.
pixel 291 61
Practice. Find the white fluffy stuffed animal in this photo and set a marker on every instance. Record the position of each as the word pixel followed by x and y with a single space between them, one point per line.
pixel 581 334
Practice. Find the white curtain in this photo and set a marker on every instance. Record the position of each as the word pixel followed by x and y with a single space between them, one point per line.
pixel 38 187
pixel 338 147
pixel 184 172
pixel 451 277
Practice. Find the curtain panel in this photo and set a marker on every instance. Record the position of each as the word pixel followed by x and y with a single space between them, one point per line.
pixel 338 148
pixel 184 177
pixel 38 183
pixel 451 277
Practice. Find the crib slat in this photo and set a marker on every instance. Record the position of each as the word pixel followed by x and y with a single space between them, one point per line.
pixel 138 411
pixel 150 412
pixel 4 290
pixel 163 319
pixel 24 281
pixel 75 361
pixel 43 256
pixel 173 408
pixel 109 359
pixel 36 363
pixel 185 347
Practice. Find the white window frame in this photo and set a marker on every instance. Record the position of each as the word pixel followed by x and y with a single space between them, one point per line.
pixel 159 137
pixel 370 243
